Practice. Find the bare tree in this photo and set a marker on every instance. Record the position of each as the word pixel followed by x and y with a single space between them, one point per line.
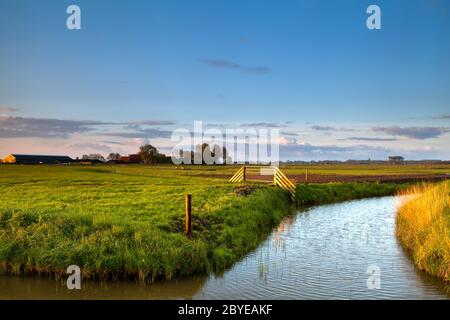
pixel 148 153
pixel 213 153
pixel 93 156
pixel 114 156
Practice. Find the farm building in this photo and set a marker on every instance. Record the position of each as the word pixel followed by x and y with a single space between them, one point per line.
pixel 36 159
pixel 132 158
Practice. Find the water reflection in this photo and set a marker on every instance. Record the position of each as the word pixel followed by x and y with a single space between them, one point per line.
pixel 42 288
pixel 325 253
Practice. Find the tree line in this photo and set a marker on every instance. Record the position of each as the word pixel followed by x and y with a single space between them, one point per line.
pixel 149 154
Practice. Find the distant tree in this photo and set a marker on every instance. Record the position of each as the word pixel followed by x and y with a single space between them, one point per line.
pixel 214 153
pixel 148 153
pixel 93 156
pixel 226 157
pixel 203 149
pixel 221 155
pixel 162 158
pixel 113 156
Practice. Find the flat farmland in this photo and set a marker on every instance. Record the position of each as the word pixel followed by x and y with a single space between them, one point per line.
pixel 325 173
pixel 127 221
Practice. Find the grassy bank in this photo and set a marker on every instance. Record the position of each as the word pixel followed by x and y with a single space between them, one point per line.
pixel 423 227
pixel 127 221
pixel 316 194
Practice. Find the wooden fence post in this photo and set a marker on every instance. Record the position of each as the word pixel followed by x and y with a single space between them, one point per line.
pixel 244 173
pixel 188 216
pixel 306 176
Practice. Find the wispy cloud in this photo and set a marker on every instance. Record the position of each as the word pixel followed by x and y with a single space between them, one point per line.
pixel 8 109
pixel 95 147
pixel 322 128
pixel 111 142
pixel 144 133
pixel 369 139
pixel 419 133
pixel 261 124
pixel 329 128
pixel 228 64
pixel 442 117
pixel 257 70
pixel 287 133
pixel 306 151
pixel 219 63
pixel 154 122
pixel 324 152
pixel 21 127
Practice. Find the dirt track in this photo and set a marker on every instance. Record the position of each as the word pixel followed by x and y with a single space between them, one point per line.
pixel 325 178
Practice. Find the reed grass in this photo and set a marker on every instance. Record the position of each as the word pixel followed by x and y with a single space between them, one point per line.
pixel 423 227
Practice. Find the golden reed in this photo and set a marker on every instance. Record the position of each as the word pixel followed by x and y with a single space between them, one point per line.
pixel 423 227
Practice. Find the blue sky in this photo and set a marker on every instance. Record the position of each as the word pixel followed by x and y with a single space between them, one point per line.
pixel 311 68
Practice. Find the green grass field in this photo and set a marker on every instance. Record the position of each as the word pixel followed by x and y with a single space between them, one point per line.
pixel 128 221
